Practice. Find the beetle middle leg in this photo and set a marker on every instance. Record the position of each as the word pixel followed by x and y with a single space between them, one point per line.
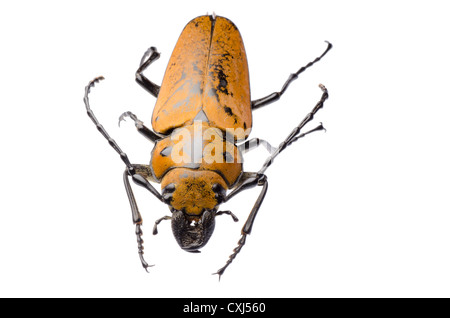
pixel 142 129
pixel 276 95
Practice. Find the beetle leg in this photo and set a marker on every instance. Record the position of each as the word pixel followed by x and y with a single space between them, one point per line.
pixel 148 58
pixel 137 219
pixel 253 143
pixel 276 95
pixel 295 134
pixel 139 173
pixel 146 132
pixel 256 179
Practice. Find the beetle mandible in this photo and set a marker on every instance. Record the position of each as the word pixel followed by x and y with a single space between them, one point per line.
pixel 201 123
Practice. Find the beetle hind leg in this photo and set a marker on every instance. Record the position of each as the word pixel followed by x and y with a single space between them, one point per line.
pixel 276 95
pixel 148 58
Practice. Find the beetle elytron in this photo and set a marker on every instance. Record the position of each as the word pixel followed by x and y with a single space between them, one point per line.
pixel 201 121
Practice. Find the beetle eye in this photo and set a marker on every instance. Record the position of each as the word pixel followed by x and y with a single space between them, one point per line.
pixel 220 192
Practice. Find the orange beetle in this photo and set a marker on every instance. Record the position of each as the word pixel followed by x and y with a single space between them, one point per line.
pixel 201 120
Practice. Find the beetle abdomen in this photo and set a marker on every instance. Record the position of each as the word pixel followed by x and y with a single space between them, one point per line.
pixel 208 75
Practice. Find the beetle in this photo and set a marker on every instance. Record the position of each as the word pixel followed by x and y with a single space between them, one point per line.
pixel 201 123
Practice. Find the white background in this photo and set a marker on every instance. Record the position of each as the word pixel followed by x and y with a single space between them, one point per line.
pixel 359 211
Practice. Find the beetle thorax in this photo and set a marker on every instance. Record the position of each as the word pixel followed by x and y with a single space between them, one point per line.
pixel 205 155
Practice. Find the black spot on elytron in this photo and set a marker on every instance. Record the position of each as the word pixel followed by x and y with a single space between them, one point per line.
pixel 245 125
pixel 228 110
pixel 223 83
pixel 227 55
pixel 166 151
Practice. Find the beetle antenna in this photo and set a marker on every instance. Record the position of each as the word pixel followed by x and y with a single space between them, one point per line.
pixel 155 227
pixel 228 212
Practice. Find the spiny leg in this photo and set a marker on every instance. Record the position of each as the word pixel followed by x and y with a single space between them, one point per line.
pixel 276 95
pixel 148 58
pixel 137 220
pixel 143 171
pixel 295 134
pixel 139 173
pixel 142 129
pixel 251 181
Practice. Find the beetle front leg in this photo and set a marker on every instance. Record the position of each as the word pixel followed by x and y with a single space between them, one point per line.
pixel 149 57
pixel 276 95
pixel 137 219
pixel 141 173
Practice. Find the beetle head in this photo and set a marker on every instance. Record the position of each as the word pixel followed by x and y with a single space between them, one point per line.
pixel 193 232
